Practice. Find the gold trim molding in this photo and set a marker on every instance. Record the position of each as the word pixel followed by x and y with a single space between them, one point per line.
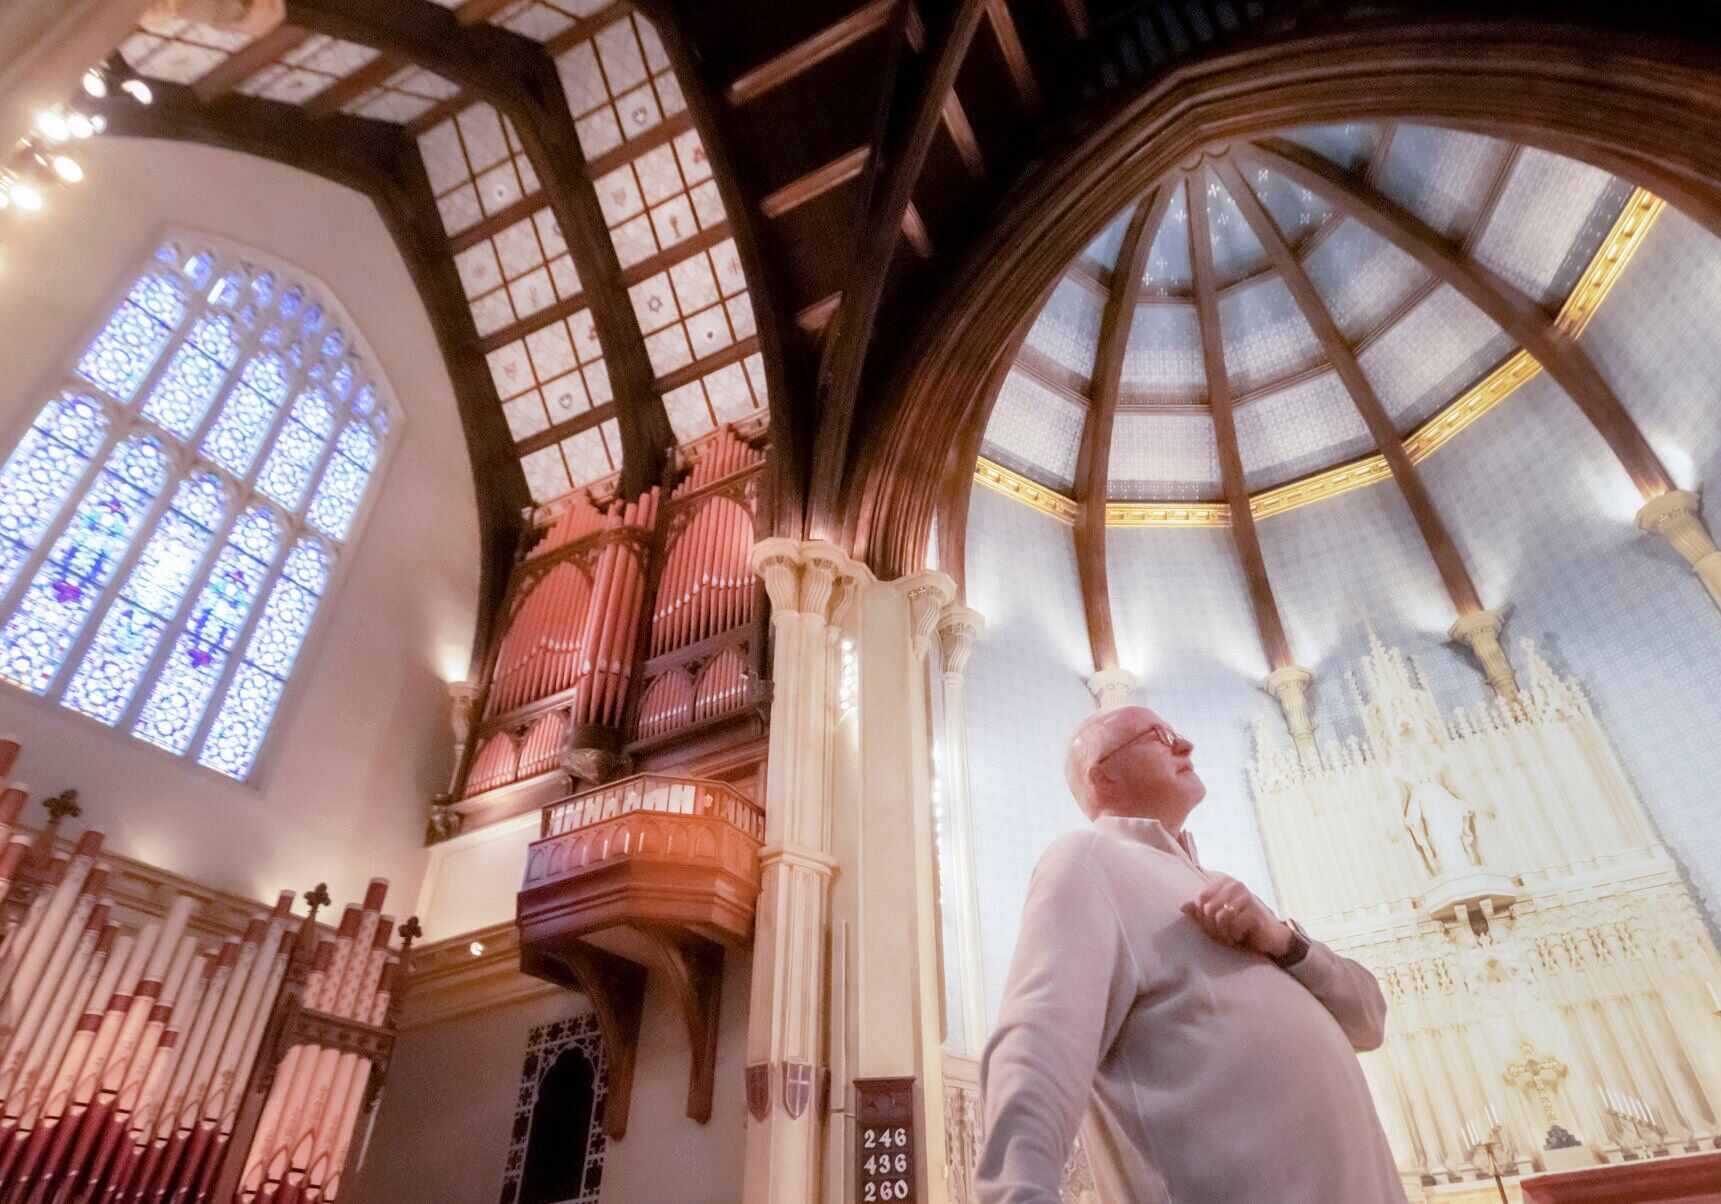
pixel 1518 369
pixel 1015 485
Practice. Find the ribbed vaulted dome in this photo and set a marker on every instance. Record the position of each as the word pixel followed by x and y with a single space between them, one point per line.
pixel 1328 211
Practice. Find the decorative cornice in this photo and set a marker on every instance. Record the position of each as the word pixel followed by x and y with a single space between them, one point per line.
pixel 1168 514
pixel 1616 251
pixel 1518 369
pixel 1014 485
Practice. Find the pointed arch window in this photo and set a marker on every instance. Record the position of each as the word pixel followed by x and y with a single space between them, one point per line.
pixel 172 518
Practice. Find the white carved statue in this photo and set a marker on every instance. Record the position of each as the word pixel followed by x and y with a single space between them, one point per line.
pixel 1442 825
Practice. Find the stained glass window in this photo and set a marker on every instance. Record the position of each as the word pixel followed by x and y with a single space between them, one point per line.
pixel 162 559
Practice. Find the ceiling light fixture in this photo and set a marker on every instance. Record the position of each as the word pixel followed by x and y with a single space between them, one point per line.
pixel 137 90
pixel 68 168
pixel 95 83
pixel 51 123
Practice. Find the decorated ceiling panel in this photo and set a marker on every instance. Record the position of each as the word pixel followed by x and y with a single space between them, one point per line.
pixel 1266 338
pixel 1068 328
pixel 1535 219
pixel 1164 456
pixel 181 52
pixel 1442 176
pixel 1363 279
pixel 1552 216
pixel 308 69
pixel 1297 430
pixel 1440 348
pixel 1035 431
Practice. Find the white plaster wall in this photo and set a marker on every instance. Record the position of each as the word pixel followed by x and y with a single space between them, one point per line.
pixel 362 739
pixel 442 1131
pixel 1026 693
pixel 1180 608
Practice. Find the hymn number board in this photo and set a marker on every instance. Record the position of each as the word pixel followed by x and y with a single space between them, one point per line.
pixel 884 1141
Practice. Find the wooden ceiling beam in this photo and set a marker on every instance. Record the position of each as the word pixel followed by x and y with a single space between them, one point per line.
pixel 1509 308
pixel 815 183
pixel 1454 574
pixel 1491 199
pixel 961 131
pixel 518 77
pixel 380 161
pixel 245 62
pixel 1093 472
pixel 903 145
pixel 1244 536
pixel 550 436
pixel 1015 54
pixel 830 41
pixel 349 88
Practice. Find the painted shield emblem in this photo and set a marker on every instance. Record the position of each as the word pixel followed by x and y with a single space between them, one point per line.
pixel 759 1090
pixel 797 1086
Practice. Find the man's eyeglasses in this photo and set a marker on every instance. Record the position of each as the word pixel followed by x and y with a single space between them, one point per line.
pixel 1157 731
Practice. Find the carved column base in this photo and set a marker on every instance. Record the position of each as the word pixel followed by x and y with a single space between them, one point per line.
pixel 1481 632
pixel 1111 687
pixel 1289 685
pixel 1678 518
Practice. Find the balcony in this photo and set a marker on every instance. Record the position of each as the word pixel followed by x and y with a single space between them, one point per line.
pixel 650 870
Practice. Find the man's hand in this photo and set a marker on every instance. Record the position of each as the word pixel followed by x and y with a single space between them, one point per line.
pixel 1230 913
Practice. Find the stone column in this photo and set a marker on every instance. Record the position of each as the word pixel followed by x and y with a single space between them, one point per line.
pixel 810 584
pixel 1677 518
pixel 1481 631
pixel 1289 685
pixel 1111 687
pixel 958 627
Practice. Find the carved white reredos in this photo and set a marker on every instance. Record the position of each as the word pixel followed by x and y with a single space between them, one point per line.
pixel 958 628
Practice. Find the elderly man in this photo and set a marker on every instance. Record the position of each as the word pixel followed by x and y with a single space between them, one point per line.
pixel 1208 1041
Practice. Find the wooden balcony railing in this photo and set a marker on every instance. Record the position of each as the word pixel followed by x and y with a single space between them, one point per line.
pixel 649 870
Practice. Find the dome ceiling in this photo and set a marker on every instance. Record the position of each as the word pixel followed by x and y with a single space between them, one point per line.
pixel 1227 316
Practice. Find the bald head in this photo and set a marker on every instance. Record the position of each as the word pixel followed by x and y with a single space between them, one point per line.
pixel 1096 736
pixel 1151 779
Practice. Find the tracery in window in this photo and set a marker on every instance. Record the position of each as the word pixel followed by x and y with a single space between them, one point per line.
pixel 171 520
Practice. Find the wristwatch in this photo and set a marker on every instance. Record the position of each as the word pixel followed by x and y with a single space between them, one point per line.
pixel 1299 947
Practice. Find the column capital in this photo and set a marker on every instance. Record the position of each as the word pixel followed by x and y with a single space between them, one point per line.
pixel 1677 517
pixel 958 628
pixel 1289 686
pixel 1480 630
pixel 1288 678
pixel 804 576
pixel 1111 687
pixel 1673 507
pixel 928 593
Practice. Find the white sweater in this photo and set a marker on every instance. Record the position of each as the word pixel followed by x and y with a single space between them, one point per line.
pixel 1207 1075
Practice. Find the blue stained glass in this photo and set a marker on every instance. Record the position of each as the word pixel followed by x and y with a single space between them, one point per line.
pixel 228 291
pixel 364 401
pixel 291 300
pixel 334 343
pixel 121 355
pixel 109 674
pixel 343 381
pixel 343 483
pixel 293 459
pixel 41 472
pixel 199 268
pixel 167 253
pixel 193 376
pixel 263 289
pixel 193 669
pixel 245 419
pixel 40 632
pixel 241 723
pixel 272 337
pixel 308 565
pixel 313 317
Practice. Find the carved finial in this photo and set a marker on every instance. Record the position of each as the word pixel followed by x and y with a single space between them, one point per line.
pixel 61 807
pixel 409 932
pixel 317 898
